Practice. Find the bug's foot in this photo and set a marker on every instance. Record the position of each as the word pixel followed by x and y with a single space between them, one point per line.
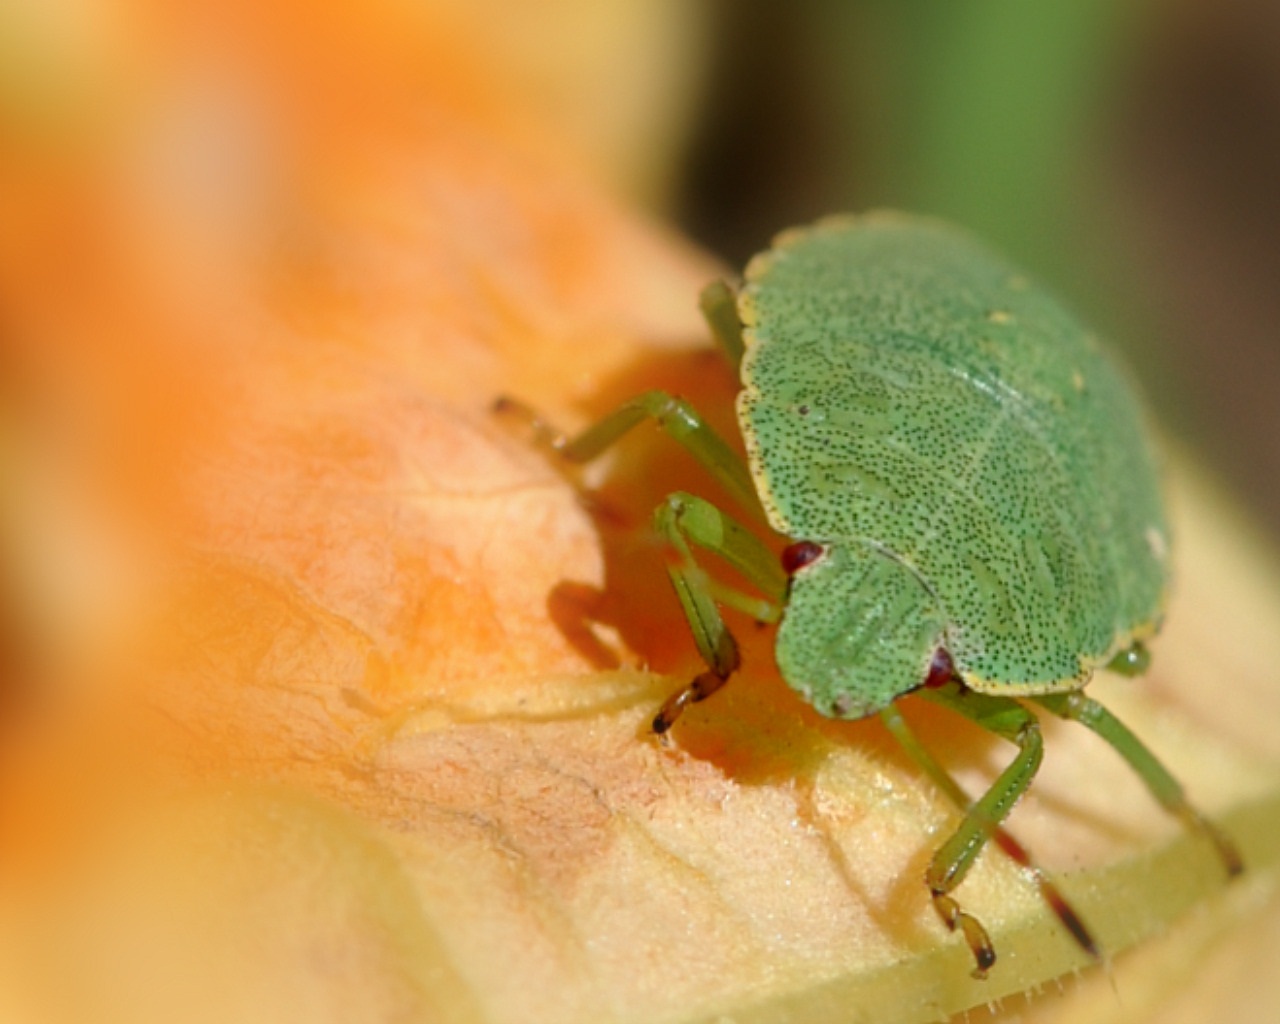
pixel 672 708
pixel 1228 852
pixel 665 718
pixel 984 953
pixel 1070 920
pixel 702 687
pixel 544 434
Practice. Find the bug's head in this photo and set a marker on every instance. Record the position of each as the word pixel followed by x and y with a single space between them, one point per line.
pixel 859 631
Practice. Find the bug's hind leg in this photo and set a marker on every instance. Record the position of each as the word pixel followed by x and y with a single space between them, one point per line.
pixel 1134 660
pixel 719 307
pixel 1163 786
pixel 683 519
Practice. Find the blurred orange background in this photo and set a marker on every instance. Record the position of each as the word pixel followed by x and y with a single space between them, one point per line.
pixel 263 270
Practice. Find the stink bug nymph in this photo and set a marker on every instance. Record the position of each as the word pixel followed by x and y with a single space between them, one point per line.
pixel 969 495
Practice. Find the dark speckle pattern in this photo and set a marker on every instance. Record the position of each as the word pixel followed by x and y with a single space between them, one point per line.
pixel 910 398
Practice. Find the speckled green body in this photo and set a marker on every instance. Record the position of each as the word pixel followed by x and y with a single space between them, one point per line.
pixel 974 463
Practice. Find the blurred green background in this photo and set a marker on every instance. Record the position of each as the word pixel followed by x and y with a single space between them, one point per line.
pixel 1125 151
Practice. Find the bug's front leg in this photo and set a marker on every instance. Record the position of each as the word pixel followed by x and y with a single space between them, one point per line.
pixel 1011 721
pixel 683 519
pixel 996 833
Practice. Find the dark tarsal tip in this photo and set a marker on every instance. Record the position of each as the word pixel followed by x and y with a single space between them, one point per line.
pixel 1071 921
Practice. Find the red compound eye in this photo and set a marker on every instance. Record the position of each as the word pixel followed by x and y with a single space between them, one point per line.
pixel 796 556
pixel 941 669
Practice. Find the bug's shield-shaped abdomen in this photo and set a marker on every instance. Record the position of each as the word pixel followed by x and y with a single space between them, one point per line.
pixel 859 631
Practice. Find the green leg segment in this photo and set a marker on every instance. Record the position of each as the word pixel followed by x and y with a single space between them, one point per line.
pixel 719 308
pixel 1049 892
pixel 1164 787
pixel 1010 720
pixel 674 415
pixel 683 519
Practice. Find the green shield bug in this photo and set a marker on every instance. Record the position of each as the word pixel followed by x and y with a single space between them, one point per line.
pixel 969 495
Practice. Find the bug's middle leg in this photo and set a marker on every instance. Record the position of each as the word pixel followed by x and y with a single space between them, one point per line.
pixel 1163 786
pixel 680 420
pixel 683 519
